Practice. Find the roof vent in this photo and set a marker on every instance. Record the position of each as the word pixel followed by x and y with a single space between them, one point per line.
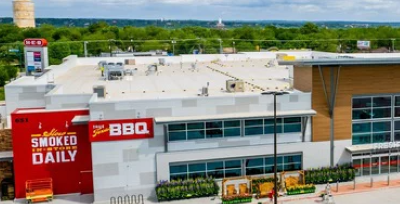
pixel 100 90
pixel 233 86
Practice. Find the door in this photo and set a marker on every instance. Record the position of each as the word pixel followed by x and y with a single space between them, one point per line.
pixel 86 184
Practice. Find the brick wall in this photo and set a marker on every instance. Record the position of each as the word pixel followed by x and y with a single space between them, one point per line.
pixel 5 140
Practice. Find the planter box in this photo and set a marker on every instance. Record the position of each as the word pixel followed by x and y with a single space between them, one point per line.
pixel 245 200
pixel 300 192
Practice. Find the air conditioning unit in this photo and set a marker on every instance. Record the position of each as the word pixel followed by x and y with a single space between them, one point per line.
pixel 100 90
pixel 235 86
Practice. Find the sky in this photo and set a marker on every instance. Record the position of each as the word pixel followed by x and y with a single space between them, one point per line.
pixel 311 10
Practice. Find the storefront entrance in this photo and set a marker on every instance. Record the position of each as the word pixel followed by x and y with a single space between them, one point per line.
pixel 376 164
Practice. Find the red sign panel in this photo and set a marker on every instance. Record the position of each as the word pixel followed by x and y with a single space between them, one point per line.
pixel 114 130
pixel 48 145
pixel 35 42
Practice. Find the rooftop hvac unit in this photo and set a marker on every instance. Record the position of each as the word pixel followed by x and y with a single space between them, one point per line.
pixel 100 90
pixel 233 86
pixel 161 61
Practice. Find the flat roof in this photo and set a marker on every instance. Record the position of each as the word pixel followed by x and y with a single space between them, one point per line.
pixel 177 80
pixel 342 61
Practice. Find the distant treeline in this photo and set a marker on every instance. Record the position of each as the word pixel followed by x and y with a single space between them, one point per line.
pixel 103 37
pixel 166 23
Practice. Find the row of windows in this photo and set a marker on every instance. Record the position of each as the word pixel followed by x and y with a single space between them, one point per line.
pixel 380 112
pixel 232 168
pixel 232 128
pixel 376 107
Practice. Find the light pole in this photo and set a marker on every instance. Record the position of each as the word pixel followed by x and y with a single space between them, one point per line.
pixel 220 46
pixel 234 48
pixel 85 48
pixel 275 93
pixel 173 47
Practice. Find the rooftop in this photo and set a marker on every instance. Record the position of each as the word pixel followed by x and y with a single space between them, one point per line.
pixel 177 80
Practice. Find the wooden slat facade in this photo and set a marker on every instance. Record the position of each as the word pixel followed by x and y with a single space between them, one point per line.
pixel 353 80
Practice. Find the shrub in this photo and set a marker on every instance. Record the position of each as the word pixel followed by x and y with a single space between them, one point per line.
pixel 323 175
pixel 184 189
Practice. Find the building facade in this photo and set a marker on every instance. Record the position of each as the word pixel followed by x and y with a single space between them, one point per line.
pixel 24 13
pixel 150 127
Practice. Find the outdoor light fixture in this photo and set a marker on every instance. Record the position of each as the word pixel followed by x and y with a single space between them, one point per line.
pixel 275 93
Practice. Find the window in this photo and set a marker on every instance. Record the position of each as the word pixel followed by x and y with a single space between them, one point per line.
pixel 266 126
pixel 371 132
pixel 366 108
pixel 237 167
pixel 202 130
pixel 372 119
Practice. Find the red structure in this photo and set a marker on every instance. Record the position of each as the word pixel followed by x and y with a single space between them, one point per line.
pixel 47 145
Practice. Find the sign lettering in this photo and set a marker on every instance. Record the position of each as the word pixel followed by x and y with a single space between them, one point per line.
pixel 54 147
pixel 121 129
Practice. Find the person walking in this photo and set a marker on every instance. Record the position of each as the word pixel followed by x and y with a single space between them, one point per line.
pixel 272 195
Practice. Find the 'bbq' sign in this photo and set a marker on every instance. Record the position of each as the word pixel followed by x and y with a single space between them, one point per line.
pixel 114 130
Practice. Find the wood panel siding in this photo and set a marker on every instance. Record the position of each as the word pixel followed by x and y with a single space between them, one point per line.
pixel 353 80
pixel 302 77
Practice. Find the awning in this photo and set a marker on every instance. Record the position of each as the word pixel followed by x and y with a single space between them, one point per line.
pixel 376 147
pixel 296 113
pixel 81 120
pixel 6 156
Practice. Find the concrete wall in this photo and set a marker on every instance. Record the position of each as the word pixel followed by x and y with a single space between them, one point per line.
pixel 129 167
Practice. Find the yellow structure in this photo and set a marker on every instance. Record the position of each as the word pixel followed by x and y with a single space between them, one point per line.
pixel 24 13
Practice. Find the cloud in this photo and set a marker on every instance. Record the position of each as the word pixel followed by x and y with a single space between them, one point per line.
pixel 375 10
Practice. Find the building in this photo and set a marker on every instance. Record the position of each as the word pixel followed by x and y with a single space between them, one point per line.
pixel 24 13
pixel 200 115
pixel 220 25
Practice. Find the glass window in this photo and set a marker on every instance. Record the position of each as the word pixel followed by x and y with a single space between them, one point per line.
pixel 397 136
pixel 255 171
pixel 232 132
pixel 292 128
pixel 178 177
pixel 270 129
pixel 214 133
pixel 361 139
pixel 233 173
pixel 176 127
pixel 254 131
pixel 292 167
pixel 381 126
pixel 216 174
pixel 175 136
pixel 178 169
pixel 397 112
pixel 381 137
pixel 292 120
pixel 255 122
pixel 197 175
pixel 233 164
pixel 382 113
pixel 195 134
pixel 396 125
pixel 215 165
pixel 195 126
pixel 361 102
pixel 397 100
pixel 361 127
pixel 232 123
pixel 384 101
pixel 292 158
pixel 214 124
pixel 271 121
pixel 254 162
pixel 361 114
pixel 197 167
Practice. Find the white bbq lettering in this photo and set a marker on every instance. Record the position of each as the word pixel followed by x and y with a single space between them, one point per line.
pixel 115 129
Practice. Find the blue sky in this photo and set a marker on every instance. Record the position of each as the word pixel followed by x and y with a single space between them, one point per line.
pixel 348 10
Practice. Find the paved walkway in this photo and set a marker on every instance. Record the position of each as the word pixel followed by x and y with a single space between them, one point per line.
pixel 363 185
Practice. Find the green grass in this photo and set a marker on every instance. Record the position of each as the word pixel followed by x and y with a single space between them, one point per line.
pixel 2 94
